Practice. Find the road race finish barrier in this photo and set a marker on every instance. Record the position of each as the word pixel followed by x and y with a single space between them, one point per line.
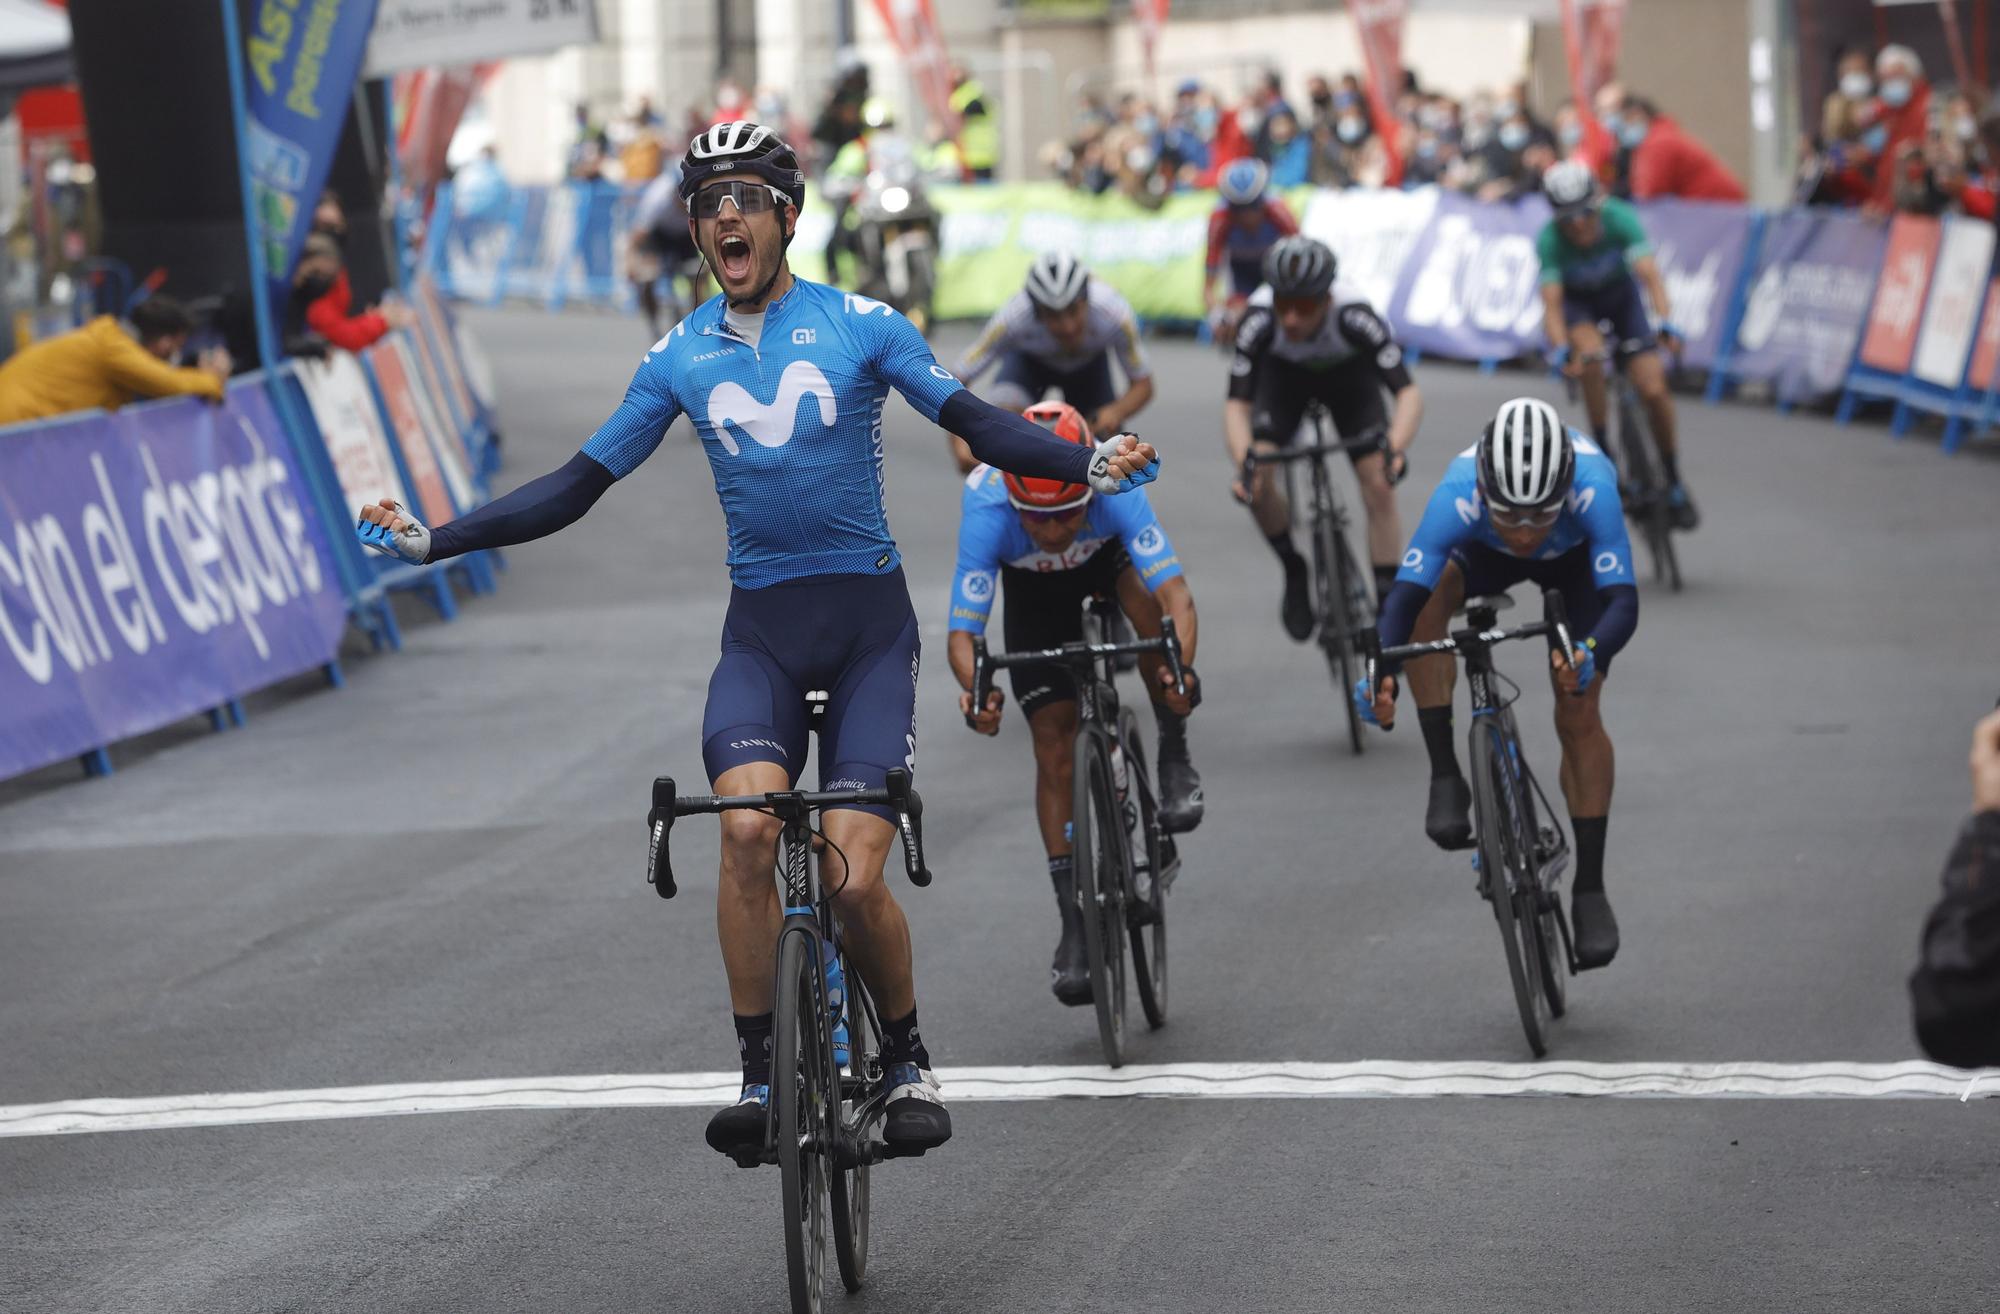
pixel 155 563
pixel 171 558
pixel 1979 401
pixel 1811 304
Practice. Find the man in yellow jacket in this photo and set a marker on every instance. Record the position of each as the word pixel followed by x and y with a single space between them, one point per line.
pixel 109 362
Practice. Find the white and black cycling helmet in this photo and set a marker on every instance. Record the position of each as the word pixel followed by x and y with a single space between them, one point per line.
pixel 1056 279
pixel 1243 181
pixel 1526 461
pixel 1299 266
pixel 1571 188
pixel 733 148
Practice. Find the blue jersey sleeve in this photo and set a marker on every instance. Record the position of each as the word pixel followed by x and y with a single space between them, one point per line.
pixel 622 442
pixel 1604 530
pixel 903 360
pixel 1145 541
pixel 977 575
pixel 1450 519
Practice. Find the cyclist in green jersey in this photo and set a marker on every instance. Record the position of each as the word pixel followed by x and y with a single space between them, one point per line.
pixel 1595 257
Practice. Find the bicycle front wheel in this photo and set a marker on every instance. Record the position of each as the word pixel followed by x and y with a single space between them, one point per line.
pixel 1338 636
pixel 1097 827
pixel 1146 913
pixel 849 1193
pixel 805 1089
pixel 1505 866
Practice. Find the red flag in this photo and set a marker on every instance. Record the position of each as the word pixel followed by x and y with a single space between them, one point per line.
pixel 1151 15
pixel 913 26
pixel 1591 33
pixel 429 104
pixel 1380 24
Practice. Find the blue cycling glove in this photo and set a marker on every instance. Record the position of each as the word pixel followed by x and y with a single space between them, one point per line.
pixel 1364 702
pixel 1586 666
pixel 1103 481
pixel 411 543
pixel 1558 356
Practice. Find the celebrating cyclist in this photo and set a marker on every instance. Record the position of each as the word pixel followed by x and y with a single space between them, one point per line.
pixel 1241 231
pixel 1051 544
pixel 784 381
pixel 1595 256
pixel 1530 501
pixel 1060 332
pixel 1307 338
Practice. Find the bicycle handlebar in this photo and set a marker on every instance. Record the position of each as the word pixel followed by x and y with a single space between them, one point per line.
pixel 1554 624
pixel 984 663
pixel 896 793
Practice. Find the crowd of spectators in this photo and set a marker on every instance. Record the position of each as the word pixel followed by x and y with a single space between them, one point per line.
pixel 1889 140
pixel 1492 144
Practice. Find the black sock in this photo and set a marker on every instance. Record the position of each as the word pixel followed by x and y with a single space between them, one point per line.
pixel 1671 463
pixel 1435 722
pixel 1281 543
pixel 1062 874
pixel 901 1043
pixel 1589 852
pixel 1601 438
pixel 1385 579
pixel 753 1046
pixel 1173 730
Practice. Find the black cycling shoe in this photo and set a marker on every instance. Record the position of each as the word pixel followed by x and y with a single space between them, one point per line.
pixel 1297 608
pixel 1069 974
pixel 738 1130
pixel 1596 929
pixel 1682 508
pixel 914 1118
pixel 1181 803
pixel 1448 819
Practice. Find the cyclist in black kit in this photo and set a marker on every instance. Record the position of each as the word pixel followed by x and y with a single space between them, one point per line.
pixel 1308 338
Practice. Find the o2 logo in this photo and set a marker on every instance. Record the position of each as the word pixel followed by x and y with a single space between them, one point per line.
pixel 1607 563
pixel 1413 559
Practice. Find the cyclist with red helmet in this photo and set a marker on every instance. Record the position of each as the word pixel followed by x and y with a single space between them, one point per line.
pixel 1050 545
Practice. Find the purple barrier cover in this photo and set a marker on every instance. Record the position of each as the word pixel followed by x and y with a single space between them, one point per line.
pixel 153 564
pixel 1700 247
pixel 1469 286
pixel 1809 298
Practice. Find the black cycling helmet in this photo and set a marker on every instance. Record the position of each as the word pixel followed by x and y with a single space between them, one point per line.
pixel 1299 266
pixel 743 148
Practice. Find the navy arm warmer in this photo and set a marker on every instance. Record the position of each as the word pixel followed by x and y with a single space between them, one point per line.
pixel 536 509
pixel 1007 442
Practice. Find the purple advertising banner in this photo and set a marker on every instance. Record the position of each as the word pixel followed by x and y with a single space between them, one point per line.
pixel 1469 287
pixel 1700 247
pixel 153 564
pixel 1808 299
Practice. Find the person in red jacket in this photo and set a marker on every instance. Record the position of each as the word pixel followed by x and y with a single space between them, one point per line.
pixel 322 278
pixel 1902 114
pixel 1668 162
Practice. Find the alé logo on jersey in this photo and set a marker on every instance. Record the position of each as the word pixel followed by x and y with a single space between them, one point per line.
pixel 770 424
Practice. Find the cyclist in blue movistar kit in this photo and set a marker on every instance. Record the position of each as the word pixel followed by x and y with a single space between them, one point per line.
pixel 1531 501
pixel 784 381
pixel 1049 546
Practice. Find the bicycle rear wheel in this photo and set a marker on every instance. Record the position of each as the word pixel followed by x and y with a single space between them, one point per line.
pixel 805 1088
pixel 1504 864
pixel 1643 473
pixel 1146 914
pixel 1097 826
pixel 849 1193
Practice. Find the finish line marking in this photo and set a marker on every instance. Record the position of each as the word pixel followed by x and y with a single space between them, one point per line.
pixel 1377 1080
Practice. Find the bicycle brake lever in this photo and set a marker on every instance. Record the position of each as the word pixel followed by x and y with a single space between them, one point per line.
pixel 660 823
pixel 1556 612
pixel 1173 646
pixel 910 825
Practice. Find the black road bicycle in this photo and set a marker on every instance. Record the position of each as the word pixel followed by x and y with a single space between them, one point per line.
pixel 1124 861
pixel 1342 611
pixel 1642 476
pixel 825 1124
pixel 1521 852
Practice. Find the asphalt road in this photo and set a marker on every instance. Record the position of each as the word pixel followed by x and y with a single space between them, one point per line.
pixel 437 875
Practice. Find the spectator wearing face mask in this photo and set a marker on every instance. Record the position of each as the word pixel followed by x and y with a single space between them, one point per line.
pixel 1903 105
pixel 321 289
pixel 1289 152
pixel 1668 162
pixel 1955 991
pixel 1182 138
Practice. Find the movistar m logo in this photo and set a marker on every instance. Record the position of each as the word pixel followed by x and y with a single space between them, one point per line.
pixel 772 425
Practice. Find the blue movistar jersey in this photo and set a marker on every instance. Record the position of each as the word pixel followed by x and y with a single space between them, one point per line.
pixel 1456 517
pixel 990 536
pixel 792 426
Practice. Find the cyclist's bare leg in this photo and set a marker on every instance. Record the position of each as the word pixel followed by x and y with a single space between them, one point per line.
pixel 1648 372
pixel 1268 504
pixel 872 925
pixel 1433 678
pixel 1385 522
pixel 747 910
pixel 1053 729
pixel 1587 761
pixel 1585 340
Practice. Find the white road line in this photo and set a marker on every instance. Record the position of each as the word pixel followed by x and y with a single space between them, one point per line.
pixel 1377 1080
